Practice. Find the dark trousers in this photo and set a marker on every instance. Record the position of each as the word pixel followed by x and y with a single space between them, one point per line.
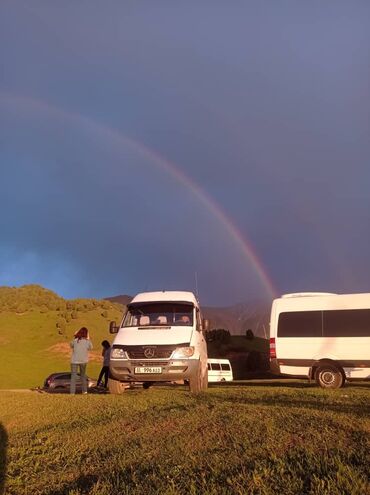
pixel 103 373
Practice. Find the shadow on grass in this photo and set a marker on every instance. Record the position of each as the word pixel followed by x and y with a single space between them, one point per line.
pixel 339 406
pixel 83 484
pixel 264 383
pixel 285 383
pixel 3 447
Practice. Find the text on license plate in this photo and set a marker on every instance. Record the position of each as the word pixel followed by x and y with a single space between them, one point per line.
pixel 148 369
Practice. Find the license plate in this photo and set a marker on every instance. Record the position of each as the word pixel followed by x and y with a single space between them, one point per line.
pixel 148 369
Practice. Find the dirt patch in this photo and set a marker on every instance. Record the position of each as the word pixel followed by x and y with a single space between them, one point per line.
pixel 63 348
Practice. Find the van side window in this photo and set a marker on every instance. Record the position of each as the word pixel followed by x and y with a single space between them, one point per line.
pixel 225 367
pixel 208 366
pixel 347 323
pixel 300 324
pixel 216 366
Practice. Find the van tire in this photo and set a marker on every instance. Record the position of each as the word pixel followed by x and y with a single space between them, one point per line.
pixel 195 382
pixel 328 375
pixel 115 387
pixel 199 383
pixel 205 380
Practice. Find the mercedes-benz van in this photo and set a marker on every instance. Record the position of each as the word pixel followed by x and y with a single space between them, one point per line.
pixel 160 339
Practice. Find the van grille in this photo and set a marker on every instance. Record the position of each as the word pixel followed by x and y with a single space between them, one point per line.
pixel 149 363
pixel 149 351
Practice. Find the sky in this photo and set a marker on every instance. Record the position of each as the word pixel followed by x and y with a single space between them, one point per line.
pixel 222 147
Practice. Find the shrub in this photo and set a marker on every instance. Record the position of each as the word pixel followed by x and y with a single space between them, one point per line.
pixel 254 361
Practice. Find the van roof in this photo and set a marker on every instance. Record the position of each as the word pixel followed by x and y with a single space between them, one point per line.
pixel 165 296
pixel 308 294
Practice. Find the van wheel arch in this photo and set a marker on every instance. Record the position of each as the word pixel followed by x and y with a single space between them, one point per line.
pixel 328 374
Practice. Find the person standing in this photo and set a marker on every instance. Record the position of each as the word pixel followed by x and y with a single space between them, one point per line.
pixel 104 372
pixel 80 345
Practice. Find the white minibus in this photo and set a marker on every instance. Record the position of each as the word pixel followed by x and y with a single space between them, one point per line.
pixel 160 339
pixel 322 336
pixel 219 370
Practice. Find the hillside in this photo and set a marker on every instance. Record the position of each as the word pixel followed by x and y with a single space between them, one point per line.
pixel 36 326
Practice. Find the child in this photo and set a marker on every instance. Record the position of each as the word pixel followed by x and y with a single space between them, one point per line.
pixel 105 369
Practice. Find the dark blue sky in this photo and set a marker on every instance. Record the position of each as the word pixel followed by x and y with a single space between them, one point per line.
pixel 141 141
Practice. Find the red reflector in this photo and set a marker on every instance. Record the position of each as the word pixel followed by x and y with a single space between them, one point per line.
pixel 272 348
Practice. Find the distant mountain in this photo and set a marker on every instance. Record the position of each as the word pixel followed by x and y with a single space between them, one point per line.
pixel 241 317
pixel 122 299
pixel 237 318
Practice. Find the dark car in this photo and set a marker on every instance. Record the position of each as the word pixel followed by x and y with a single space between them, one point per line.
pixel 62 381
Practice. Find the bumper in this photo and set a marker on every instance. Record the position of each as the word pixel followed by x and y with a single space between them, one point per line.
pixel 126 370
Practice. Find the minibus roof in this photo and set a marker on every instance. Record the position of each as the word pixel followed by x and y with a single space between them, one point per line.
pixel 308 294
pixel 165 296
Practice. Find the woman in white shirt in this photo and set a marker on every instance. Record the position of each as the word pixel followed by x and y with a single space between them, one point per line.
pixel 81 345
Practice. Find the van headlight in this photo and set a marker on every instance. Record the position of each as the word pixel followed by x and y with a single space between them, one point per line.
pixel 118 353
pixel 183 352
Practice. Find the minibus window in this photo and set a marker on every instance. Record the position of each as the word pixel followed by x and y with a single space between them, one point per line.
pixel 159 314
pixel 225 367
pixel 347 323
pixel 300 324
pixel 216 366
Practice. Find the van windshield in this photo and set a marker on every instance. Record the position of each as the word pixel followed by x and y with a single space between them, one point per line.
pixel 159 314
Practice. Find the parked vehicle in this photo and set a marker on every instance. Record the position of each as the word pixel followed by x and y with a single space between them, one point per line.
pixel 321 336
pixel 219 370
pixel 160 339
pixel 62 381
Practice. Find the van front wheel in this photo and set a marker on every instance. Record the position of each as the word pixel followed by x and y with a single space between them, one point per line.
pixel 115 387
pixel 329 376
pixel 199 383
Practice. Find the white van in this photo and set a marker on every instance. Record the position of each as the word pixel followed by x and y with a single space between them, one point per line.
pixel 160 339
pixel 321 336
pixel 219 370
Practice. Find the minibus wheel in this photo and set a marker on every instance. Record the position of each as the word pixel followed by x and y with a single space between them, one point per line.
pixel 195 382
pixel 115 387
pixel 205 380
pixel 329 376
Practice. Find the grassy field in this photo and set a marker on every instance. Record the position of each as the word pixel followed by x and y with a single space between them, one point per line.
pixel 31 348
pixel 277 438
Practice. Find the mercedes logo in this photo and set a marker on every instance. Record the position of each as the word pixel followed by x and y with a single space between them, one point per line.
pixel 149 352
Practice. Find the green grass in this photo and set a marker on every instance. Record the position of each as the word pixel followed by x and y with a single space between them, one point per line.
pixel 250 439
pixel 25 342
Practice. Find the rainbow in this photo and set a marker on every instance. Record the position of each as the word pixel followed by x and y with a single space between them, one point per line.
pixel 106 132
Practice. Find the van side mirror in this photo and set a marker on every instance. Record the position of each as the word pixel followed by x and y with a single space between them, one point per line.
pixel 113 327
pixel 205 325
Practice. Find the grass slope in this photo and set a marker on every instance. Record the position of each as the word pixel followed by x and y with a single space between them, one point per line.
pixel 233 440
pixel 31 347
